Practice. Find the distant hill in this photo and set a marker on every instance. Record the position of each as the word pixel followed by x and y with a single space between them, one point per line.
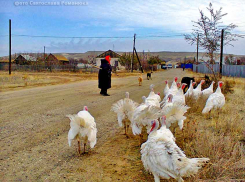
pixel 163 55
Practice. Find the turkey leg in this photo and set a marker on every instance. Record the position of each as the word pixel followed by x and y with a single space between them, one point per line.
pixel 79 147
pixel 84 147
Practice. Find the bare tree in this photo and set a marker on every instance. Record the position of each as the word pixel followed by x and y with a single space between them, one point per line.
pixel 81 60
pixel 229 59
pixel 242 60
pixel 73 62
pixel 154 60
pixel 208 28
pixel 125 60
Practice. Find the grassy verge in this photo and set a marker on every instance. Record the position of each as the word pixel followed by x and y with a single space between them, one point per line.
pixel 19 80
pixel 220 137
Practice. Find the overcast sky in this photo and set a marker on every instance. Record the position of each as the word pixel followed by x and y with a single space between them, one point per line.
pixel 110 18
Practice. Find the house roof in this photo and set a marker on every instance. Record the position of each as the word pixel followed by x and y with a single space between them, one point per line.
pixel 59 57
pixel 110 53
pixel 20 56
pixel 29 58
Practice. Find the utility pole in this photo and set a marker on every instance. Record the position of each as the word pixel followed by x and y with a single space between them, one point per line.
pixel 138 60
pixel 133 54
pixel 10 46
pixel 197 52
pixel 143 55
pixel 221 52
pixel 44 54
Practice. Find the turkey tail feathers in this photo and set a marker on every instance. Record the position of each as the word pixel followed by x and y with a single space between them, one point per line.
pixel 193 166
pixel 74 130
pixel 118 108
pixel 136 130
pixel 124 109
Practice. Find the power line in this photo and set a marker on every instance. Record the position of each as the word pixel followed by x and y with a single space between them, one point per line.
pixel 47 36
pixel 161 36
pixel 100 37
pixel 64 37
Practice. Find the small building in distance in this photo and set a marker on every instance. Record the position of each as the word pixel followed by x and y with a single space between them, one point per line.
pixel 24 59
pixel 57 59
pixel 20 60
pixel 114 58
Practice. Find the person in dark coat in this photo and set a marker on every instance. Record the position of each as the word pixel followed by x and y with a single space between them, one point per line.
pixel 105 76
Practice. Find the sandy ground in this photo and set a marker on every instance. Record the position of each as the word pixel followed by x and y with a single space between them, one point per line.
pixel 34 131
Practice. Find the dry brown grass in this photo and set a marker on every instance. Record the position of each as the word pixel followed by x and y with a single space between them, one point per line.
pixel 220 138
pixel 19 80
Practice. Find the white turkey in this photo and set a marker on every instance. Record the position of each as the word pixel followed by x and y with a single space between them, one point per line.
pixel 174 85
pixel 166 89
pixel 208 91
pixel 153 99
pixel 83 127
pixel 197 92
pixel 164 159
pixel 215 100
pixel 142 117
pixel 179 96
pixel 178 85
pixel 124 109
pixel 174 112
pixel 164 130
pixel 189 92
pixel 173 90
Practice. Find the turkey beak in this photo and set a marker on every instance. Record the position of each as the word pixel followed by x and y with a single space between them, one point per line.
pixel 153 124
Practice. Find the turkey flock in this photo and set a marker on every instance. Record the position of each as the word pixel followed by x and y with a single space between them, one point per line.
pixel 160 154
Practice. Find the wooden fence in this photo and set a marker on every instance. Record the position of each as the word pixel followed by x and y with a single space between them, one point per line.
pixel 227 70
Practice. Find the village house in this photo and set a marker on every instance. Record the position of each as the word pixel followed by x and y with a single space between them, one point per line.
pixel 21 60
pixel 114 58
pixel 24 59
pixel 57 59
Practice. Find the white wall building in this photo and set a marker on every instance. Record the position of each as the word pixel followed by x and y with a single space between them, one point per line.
pixel 114 58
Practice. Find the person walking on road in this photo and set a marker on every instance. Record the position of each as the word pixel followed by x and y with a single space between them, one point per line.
pixel 105 76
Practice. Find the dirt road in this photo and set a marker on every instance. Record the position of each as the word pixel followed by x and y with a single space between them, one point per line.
pixel 34 130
